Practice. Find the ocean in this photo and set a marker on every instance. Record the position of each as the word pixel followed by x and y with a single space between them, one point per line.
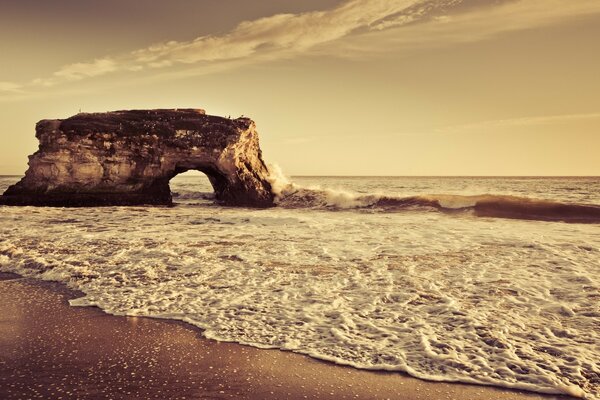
pixel 460 279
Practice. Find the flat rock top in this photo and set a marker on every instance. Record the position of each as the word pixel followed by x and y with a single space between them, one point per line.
pixel 162 122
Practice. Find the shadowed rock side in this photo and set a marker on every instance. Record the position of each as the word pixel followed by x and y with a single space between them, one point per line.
pixel 128 158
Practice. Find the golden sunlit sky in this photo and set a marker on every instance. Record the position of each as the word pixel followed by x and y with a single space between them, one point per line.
pixel 359 87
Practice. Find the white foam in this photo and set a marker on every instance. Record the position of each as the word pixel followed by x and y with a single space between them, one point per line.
pixel 451 298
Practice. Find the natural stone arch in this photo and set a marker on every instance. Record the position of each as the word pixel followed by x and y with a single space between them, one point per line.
pixel 129 157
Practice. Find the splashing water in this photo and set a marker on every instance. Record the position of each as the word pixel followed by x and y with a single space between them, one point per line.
pixel 291 195
pixel 395 278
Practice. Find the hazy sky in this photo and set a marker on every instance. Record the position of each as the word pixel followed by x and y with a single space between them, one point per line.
pixel 359 87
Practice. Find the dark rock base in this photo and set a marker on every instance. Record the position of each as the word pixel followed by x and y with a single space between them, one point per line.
pixel 85 200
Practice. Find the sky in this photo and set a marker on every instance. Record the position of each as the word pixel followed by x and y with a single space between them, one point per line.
pixel 336 87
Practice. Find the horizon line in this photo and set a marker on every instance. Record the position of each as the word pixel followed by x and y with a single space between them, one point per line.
pixel 403 176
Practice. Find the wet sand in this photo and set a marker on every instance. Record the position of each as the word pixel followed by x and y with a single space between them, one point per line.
pixel 51 350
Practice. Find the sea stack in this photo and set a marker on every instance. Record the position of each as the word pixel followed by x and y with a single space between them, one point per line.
pixel 128 158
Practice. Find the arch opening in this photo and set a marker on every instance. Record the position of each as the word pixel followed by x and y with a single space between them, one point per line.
pixel 194 186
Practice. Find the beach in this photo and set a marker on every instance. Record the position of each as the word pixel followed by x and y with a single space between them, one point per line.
pixel 49 349
pixel 332 199
pixel 421 292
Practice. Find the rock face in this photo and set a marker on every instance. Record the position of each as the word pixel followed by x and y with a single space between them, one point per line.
pixel 128 158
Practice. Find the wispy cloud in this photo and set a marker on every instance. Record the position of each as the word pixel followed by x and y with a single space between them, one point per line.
pixel 283 32
pixel 278 35
pixel 484 126
pixel 79 71
pixel 287 35
pixel 10 87
pixel 462 22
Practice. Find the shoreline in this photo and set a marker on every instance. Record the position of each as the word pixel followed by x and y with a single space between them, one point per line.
pixel 51 349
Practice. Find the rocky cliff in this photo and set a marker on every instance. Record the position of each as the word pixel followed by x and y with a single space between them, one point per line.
pixel 128 158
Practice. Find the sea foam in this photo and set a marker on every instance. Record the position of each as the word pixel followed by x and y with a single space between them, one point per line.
pixel 445 297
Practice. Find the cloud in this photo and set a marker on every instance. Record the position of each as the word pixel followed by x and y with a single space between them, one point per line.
pixel 355 27
pixel 10 87
pixel 520 122
pixel 465 22
pixel 265 38
pixel 278 33
pixel 79 71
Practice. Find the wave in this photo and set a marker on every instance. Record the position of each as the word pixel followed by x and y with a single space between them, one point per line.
pixel 498 206
pixel 291 195
pixel 192 195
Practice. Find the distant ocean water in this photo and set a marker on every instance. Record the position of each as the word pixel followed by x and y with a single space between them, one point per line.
pixel 413 274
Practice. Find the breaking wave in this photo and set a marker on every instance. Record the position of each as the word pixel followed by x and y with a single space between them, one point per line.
pixel 291 195
pixel 192 195
pixel 390 285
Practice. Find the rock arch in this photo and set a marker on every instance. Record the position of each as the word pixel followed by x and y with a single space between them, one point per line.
pixel 128 158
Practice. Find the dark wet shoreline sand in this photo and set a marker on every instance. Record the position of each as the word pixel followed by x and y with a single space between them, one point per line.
pixel 51 350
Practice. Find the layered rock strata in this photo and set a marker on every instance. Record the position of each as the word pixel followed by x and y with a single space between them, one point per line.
pixel 128 158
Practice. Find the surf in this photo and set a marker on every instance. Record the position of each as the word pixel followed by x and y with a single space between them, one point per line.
pixel 291 195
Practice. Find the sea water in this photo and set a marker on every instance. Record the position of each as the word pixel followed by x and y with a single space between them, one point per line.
pixel 383 273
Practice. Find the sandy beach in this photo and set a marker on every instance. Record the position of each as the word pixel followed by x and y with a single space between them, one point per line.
pixel 51 350
pixel 310 199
